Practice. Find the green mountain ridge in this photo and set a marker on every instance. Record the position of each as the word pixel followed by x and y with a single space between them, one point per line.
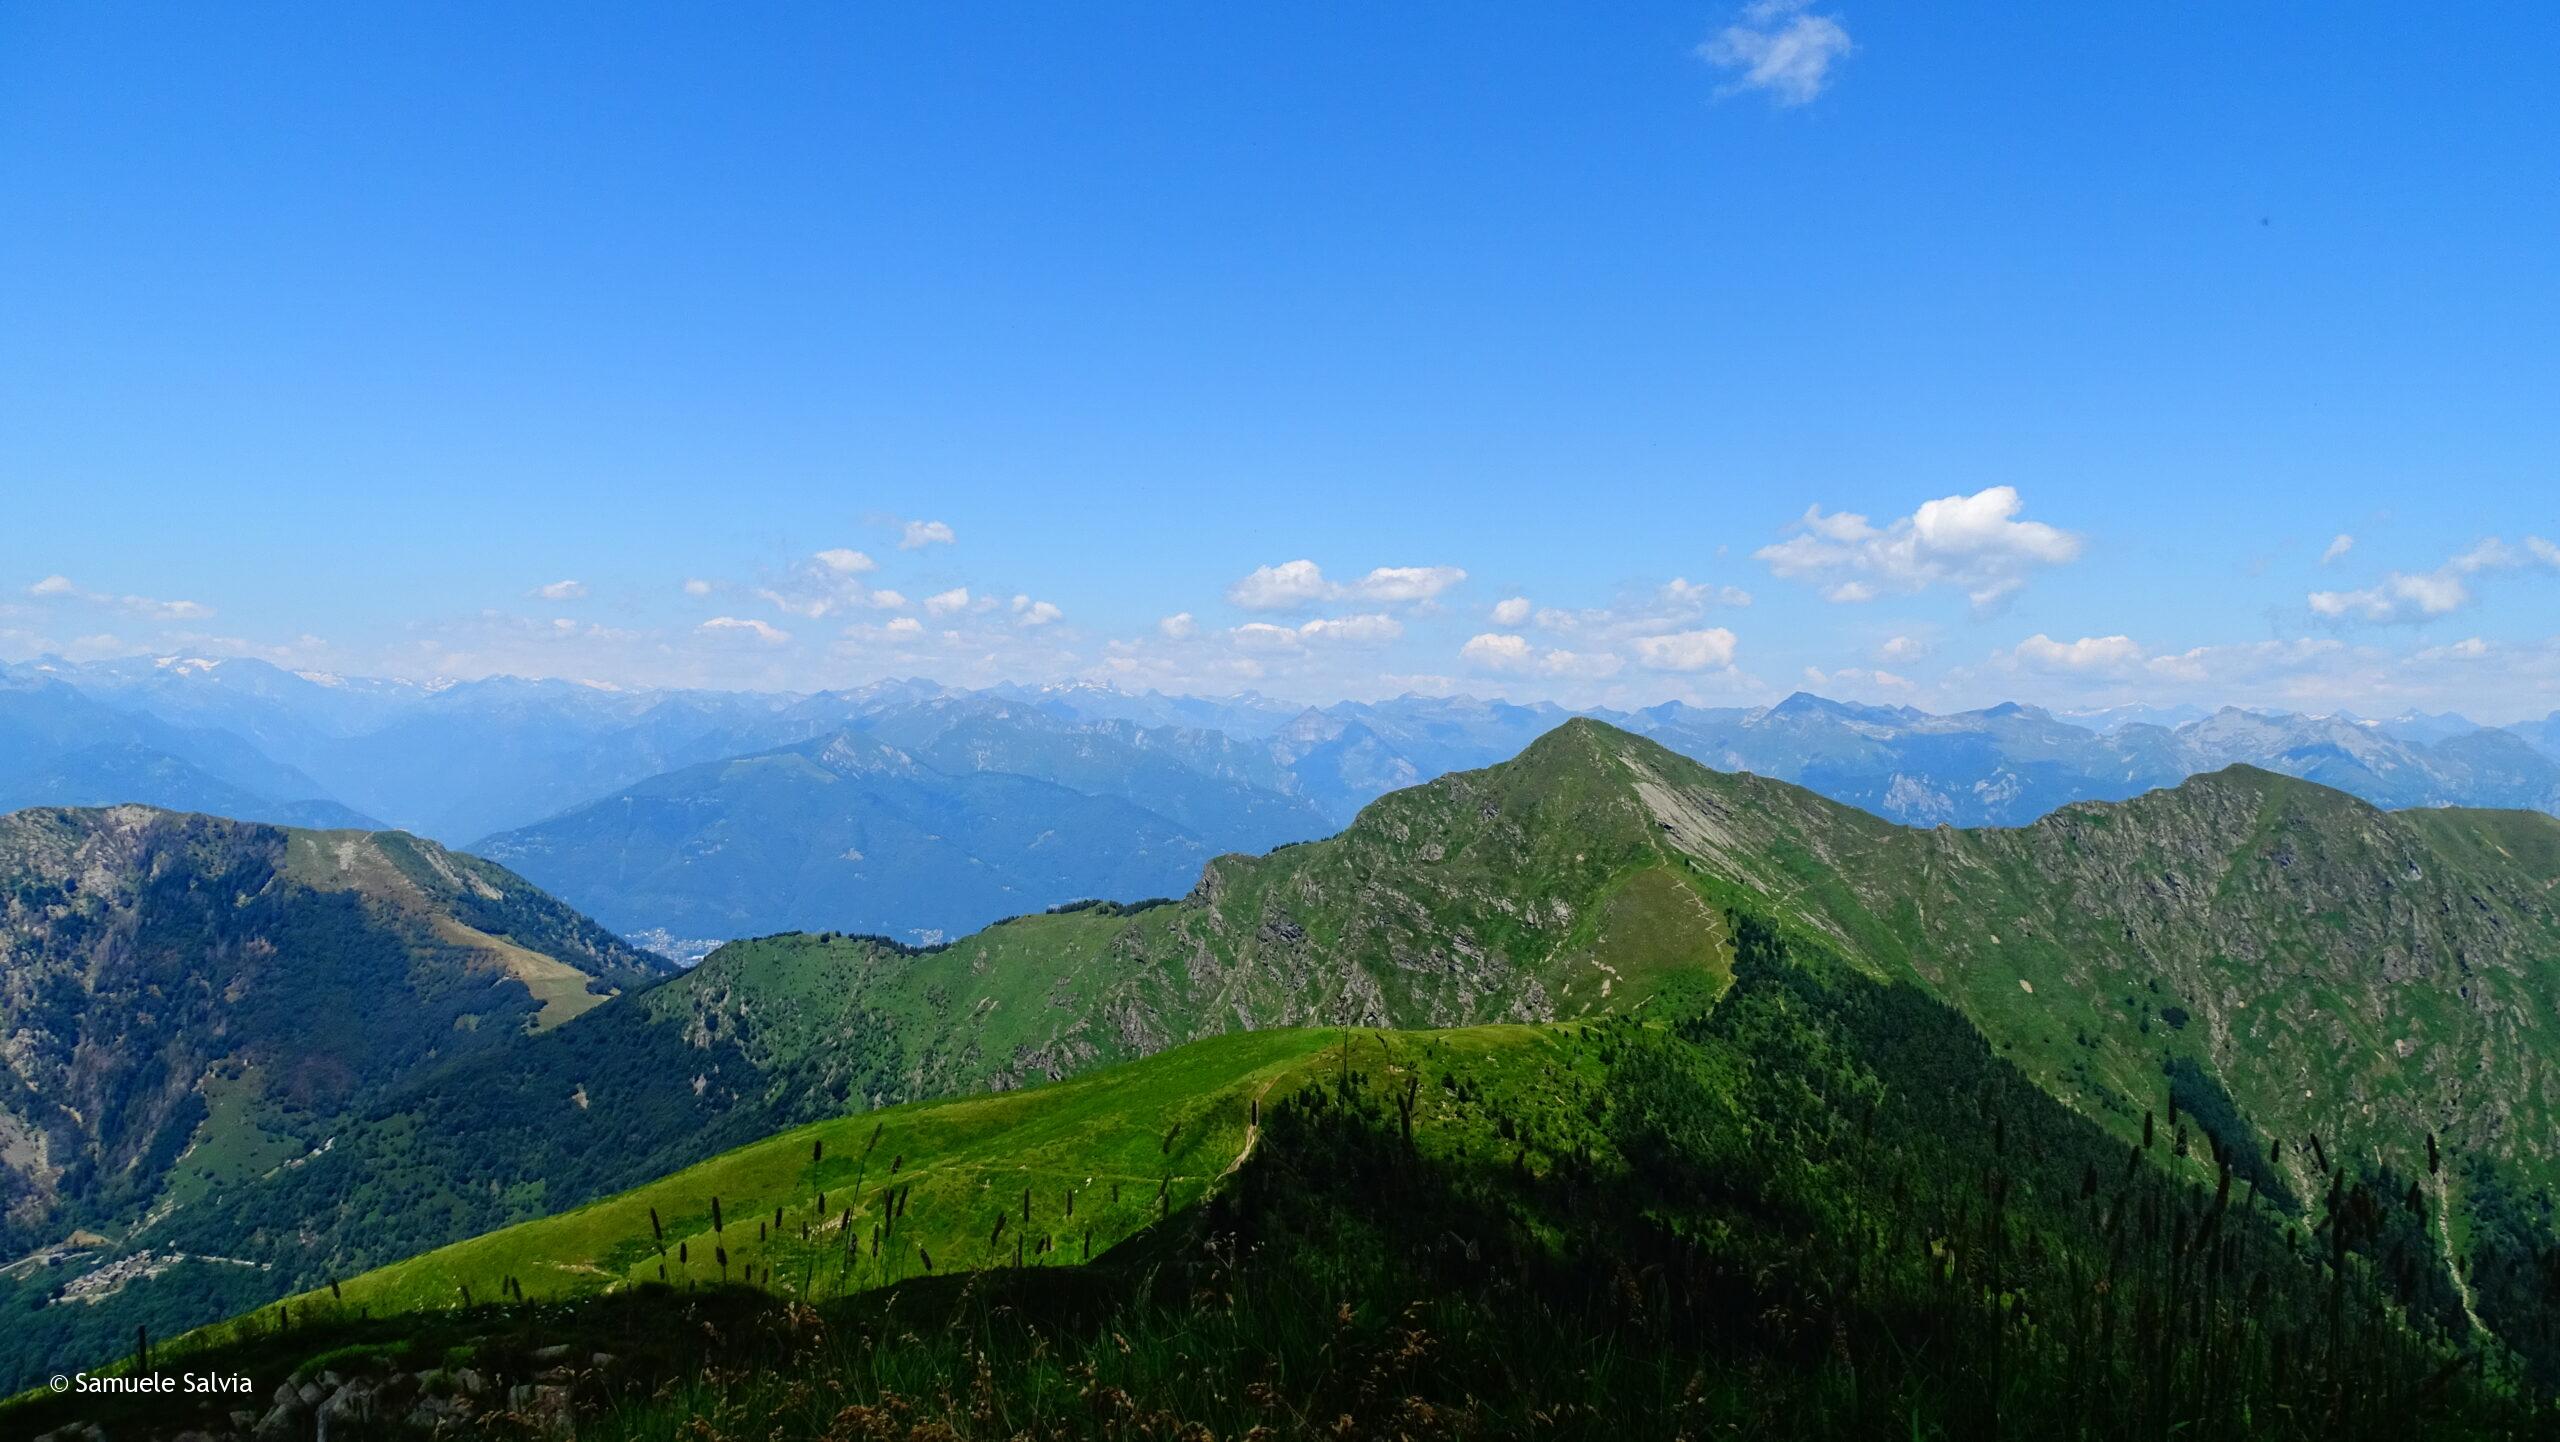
pixel 1814 1205
pixel 2228 941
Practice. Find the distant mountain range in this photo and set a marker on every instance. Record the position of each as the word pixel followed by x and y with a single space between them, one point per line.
pixel 636 805
pixel 846 833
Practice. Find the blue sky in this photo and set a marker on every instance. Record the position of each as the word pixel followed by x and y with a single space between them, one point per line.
pixel 337 334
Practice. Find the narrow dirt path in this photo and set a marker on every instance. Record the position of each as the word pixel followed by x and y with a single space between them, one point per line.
pixel 1252 1132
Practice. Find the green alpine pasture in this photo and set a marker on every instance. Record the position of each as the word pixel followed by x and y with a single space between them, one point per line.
pixel 1048 1176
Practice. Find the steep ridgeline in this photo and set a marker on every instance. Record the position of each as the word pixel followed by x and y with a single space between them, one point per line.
pixel 190 1001
pixel 2280 958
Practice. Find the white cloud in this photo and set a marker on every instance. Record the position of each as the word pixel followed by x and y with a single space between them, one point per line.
pixel 1686 650
pixel 2399 596
pixel 1511 612
pixel 2089 653
pixel 1406 583
pixel 697 587
pixel 1263 636
pixel 2338 547
pixel 826 583
pixel 1034 613
pixel 807 607
pixel 905 626
pixel 1972 543
pixel 1779 47
pixel 1582 665
pixel 561 591
pixel 1177 627
pixel 1497 652
pixel 1681 594
pixel 1902 648
pixel 1373 629
pixel 947 603
pixel 732 625
pixel 1283 587
pixel 920 534
pixel 1295 584
pixel 2424 595
pixel 60 588
pixel 1675 605
pixel 1852 678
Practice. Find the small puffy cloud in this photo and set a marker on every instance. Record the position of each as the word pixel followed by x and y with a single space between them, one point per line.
pixel 806 607
pixel 1293 585
pixel 2338 547
pixel 1686 650
pixel 826 583
pixel 61 588
pixel 2408 596
pixel 904 626
pixel 2089 653
pixel 1581 665
pixel 1974 543
pixel 1511 612
pixel 1780 48
pixel 1394 584
pixel 1852 678
pixel 1034 613
pixel 1374 629
pixel 697 587
pixel 1681 594
pixel 1283 587
pixel 560 591
pixel 1264 636
pixel 1177 627
pixel 1370 630
pixel 1902 648
pixel 1497 652
pixel 2399 596
pixel 947 603
pixel 920 534
pixel 734 626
